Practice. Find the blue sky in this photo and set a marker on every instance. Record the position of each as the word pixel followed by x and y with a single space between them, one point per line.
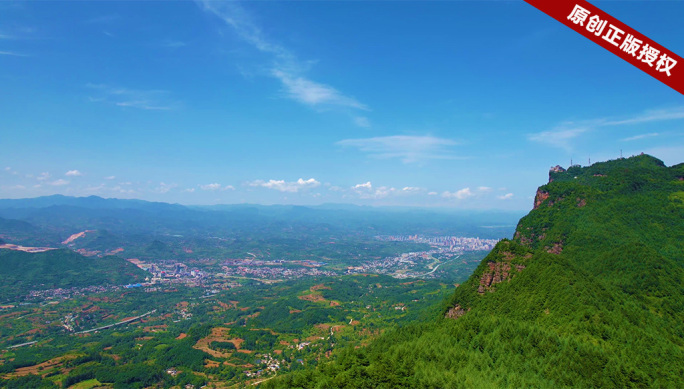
pixel 440 104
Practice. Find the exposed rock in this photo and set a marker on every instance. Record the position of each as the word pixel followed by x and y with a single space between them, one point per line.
pixel 455 312
pixel 556 249
pixel 525 241
pixel 555 169
pixel 498 272
pixel 540 197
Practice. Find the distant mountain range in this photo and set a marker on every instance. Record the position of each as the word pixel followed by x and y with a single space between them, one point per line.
pixel 68 215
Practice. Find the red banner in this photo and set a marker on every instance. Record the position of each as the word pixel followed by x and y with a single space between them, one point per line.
pixel 618 38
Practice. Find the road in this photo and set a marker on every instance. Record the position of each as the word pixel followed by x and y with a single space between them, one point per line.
pixel 116 324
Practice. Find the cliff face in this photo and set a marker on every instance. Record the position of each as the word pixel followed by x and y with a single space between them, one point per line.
pixel 581 213
pixel 539 198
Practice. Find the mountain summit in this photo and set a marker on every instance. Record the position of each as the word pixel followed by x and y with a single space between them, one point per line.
pixel 588 293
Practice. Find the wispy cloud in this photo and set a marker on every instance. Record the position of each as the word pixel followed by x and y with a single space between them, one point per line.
pixel 653 115
pixel 562 135
pixel 170 44
pixel 14 172
pixel 558 137
pixel 313 93
pixel 153 99
pixel 641 136
pixel 405 147
pixel 13 54
pixel 507 196
pixel 284 186
pixel 59 182
pixel 165 188
pixel 362 121
pixel 216 186
pixel 285 67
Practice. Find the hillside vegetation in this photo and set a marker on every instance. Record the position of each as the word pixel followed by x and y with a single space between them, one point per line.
pixel 22 272
pixel 588 293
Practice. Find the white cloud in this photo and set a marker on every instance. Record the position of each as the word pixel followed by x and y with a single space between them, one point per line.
pixel 411 189
pixel 59 182
pixel 459 194
pixel 405 147
pixel 165 188
pixel 506 196
pixel 110 178
pixel 367 191
pixel 484 189
pixel 189 190
pixel 312 93
pixel 43 176
pixel 73 173
pixel 214 186
pixel 283 186
pixel 366 185
pixel 641 136
pixel 432 193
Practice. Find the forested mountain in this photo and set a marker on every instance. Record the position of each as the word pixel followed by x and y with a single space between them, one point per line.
pixel 588 293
